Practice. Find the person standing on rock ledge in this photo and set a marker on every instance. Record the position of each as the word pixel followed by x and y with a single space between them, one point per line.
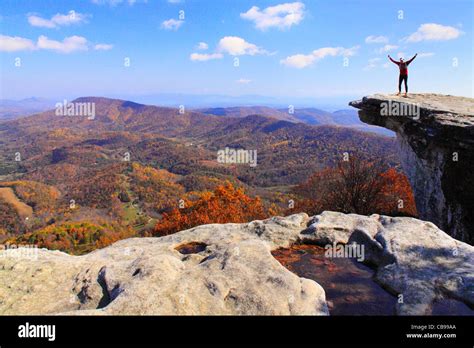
pixel 403 73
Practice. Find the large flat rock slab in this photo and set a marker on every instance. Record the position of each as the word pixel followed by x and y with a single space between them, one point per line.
pixel 229 270
pixel 414 259
pixel 438 114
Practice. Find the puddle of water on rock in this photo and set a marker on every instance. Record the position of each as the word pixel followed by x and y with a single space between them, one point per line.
pixel 191 248
pixel 349 285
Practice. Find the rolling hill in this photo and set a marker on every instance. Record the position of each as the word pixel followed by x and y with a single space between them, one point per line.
pixel 154 156
pixel 311 116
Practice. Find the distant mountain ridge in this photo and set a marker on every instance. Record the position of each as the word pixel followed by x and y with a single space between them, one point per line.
pixel 11 109
pixel 311 116
pixel 121 125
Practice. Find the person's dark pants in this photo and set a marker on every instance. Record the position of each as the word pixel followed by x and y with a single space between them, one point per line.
pixel 402 78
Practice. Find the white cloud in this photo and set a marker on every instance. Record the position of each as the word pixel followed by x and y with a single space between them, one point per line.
pixel 401 54
pixel 300 61
pixel 72 17
pixel 202 46
pixel 434 32
pixel 67 19
pixel 15 43
pixel 172 24
pixel 40 22
pixel 387 48
pixel 232 45
pixel 203 57
pixel 103 47
pixel 372 63
pixel 236 46
pixel 425 54
pixel 68 45
pixel 243 81
pixel 335 51
pixel 372 39
pixel 281 16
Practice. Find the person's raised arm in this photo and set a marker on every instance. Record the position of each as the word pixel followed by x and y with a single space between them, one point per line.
pixel 393 61
pixel 411 60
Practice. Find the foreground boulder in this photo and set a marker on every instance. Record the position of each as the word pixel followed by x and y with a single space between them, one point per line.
pixel 436 139
pixel 228 269
pixel 414 259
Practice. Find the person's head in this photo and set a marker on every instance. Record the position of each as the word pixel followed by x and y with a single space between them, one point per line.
pixel 401 60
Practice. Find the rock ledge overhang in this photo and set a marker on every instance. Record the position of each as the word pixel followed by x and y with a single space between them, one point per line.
pixel 437 153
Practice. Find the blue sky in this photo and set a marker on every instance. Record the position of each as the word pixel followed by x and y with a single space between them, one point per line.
pixel 305 49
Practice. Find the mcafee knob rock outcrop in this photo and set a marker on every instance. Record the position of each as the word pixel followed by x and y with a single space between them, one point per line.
pixel 229 269
pixel 436 138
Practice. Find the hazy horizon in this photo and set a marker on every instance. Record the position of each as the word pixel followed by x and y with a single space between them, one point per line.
pixel 212 100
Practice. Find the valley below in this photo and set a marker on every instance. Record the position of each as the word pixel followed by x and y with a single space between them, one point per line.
pixel 132 211
pixel 133 162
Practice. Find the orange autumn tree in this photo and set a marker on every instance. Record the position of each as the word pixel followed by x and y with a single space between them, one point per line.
pixel 74 237
pixel 356 186
pixel 397 194
pixel 226 204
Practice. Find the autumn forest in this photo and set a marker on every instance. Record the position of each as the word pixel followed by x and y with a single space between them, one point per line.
pixel 76 184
